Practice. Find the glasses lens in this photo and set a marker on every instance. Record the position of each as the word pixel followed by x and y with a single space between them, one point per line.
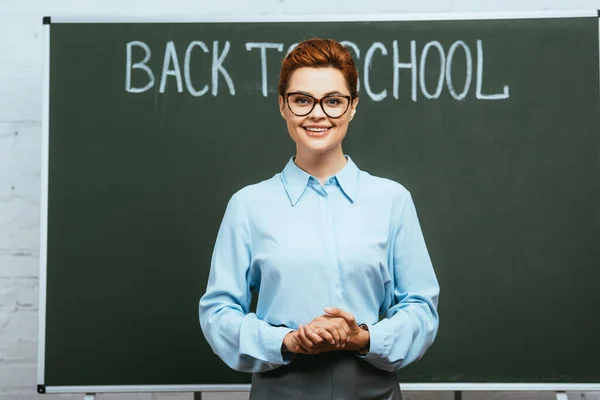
pixel 300 104
pixel 335 106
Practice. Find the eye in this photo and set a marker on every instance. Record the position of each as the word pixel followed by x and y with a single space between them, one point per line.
pixel 335 101
pixel 301 100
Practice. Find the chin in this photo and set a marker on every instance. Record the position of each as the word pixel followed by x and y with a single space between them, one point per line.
pixel 319 149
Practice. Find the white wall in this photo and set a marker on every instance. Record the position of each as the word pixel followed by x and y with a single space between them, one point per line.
pixel 20 131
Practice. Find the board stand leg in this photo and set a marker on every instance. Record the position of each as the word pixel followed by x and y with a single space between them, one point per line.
pixel 457 395
pixel 197 395
pixel 561 396
pixel 90 396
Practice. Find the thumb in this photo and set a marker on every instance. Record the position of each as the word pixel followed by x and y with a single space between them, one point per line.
pixel 342 314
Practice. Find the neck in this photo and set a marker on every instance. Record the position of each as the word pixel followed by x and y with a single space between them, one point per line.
pixel 321 166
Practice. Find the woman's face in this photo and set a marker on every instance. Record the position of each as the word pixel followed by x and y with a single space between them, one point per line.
pixel 316 132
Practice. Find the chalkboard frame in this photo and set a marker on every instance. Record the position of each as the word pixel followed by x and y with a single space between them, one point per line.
pixel 47 21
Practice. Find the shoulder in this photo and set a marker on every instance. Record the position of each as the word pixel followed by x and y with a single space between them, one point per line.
pixel 383 187
pixel 257 193
pixel 388 194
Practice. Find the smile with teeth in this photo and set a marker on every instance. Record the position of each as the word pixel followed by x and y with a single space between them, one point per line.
pixel 316 129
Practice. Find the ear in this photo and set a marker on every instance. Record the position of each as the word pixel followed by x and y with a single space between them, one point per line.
pixel 281 106
pixel 353 107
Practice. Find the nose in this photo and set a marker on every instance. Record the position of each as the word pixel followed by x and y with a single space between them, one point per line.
pixel 317 112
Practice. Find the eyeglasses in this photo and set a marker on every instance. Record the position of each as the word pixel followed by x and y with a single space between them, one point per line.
pixel 302 104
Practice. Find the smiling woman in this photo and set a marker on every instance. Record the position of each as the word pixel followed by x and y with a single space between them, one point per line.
pixel 329 249
pixel 315 106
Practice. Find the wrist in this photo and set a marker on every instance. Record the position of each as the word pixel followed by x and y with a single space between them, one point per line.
pixel 360 340
pixel 364 340
pixel 286 345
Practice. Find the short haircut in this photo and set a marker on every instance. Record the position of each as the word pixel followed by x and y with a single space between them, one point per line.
pixel 319 53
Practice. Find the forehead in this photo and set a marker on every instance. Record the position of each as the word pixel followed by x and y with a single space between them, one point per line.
pixel 317 81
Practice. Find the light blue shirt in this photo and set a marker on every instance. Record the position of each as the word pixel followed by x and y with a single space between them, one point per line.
pixel 354 243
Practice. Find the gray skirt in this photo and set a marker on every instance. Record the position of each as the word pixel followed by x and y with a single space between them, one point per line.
pixel 338 375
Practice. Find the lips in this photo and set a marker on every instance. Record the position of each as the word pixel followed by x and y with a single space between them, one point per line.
pixel 316 131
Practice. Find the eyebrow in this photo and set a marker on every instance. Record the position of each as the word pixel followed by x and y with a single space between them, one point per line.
pixel 333 92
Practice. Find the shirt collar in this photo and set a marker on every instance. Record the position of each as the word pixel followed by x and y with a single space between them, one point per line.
pixel 295 180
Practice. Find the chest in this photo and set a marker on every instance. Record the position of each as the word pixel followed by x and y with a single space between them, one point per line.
pixel 321 236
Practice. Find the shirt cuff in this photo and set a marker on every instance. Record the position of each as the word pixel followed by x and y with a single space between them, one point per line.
pixel 274 342
pixel 380 341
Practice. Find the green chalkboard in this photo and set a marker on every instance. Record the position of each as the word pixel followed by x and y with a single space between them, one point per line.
pixel 502 158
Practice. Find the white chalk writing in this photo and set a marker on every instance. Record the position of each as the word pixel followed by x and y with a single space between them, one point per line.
pixel 432 68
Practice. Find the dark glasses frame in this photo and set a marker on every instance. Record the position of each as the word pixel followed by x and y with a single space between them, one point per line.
pixel 318 101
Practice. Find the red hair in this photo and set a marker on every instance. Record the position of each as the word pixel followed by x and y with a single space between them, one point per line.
pixel 319 53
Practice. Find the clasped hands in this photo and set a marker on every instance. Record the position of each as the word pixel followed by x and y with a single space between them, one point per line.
pixel 335 330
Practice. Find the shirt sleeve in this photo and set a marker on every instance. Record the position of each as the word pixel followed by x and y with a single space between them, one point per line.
pixel 244 342
pixel 411 323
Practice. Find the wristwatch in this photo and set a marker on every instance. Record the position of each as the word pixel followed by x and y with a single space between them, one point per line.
pixel 365 351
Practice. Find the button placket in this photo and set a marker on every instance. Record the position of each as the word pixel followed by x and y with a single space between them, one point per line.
pixel 323 217
pixel 337 289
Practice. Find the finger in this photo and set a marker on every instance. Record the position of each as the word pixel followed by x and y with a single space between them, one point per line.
pixel 328 337
pixel 347 328
pixel 307 344
pixel 313 335
pixel 297 338
pixel 332 311
pixel 343 334
pixel 340 329
pixel 301 350
pixel 302 339
pixel 338 312
pixel 307 340
pixel 335 334
pixel 321 348
pixel 322 332
pixel 298 347
pixel 343 326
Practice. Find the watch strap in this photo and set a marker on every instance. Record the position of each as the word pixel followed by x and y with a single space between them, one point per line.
pixel 365 351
